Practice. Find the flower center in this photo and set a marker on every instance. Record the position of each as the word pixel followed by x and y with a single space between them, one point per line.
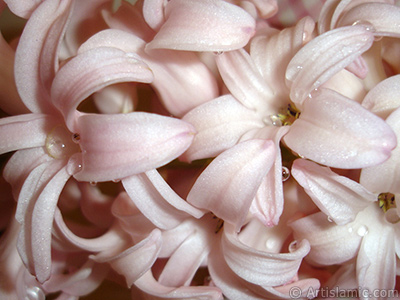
pixel 386 201
pixel 60 143
pixel 286 118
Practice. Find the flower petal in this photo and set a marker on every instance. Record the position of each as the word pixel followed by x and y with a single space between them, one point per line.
pixel 373 13
pixel 209 25
pixel 244 81
pixel 157 201
pixel 22 8
pixel 229 184
pixel 150 286
pixel 36 59
pixel 24 131
pixel 259 267
pixel 385 176
pixel 384 98
pixel 219 124
pixel 117 146
pixel 91 71
pixel 337 196
pixel 153 13
pixel 323 57
pixel 330 243
pixel 338 132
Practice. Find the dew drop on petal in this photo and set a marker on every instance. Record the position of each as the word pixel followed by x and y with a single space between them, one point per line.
pixel 362 230
pixel 35 293
pixel 330 219
pixel 271 243
pixel 275 120
pixel 218 52
pixel 93 183
pixel 59 144
pixel 350 229
pixel 368 25
pixel 285 173
pixel 74 164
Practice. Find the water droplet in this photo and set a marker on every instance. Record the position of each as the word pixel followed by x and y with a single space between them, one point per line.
pixel 116 180
pixel 275 120
pixel 368 25
pixel 59 144
pixel 362 230
pixel 93 183
pixel 330 219
pixel 285 173
pixel 218 52
pixel 74 164
pixel 350 229
pixel 299 68
pixel 35 293
pixel 293 246
pixel 76 138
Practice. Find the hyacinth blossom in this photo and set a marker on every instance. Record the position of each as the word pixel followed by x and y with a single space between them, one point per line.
pixel 210 149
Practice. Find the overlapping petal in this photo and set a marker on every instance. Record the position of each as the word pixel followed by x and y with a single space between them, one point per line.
pixel 323 57
pixel 210 25
pixel 117 146
pixel 337 196
pixel 338 132
pixel 22 8
pixel 220 123
pixel 90 71
pixel 229 184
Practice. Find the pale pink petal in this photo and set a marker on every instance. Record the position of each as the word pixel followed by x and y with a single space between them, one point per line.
pixel 385 176
pixel 210 25
pixel 111 239
pixel 244 81
pixel 20 165
pixel 259 267
pixel 24 131
pixel 330 243
pixel 180 78
pixel 10 101
pixel 22 8
pixel 268 203
pixel 338 132
pixel 325 16
pixel 265 8
pixel 323 57
pixel 229 184
pixel 148 285
pixel 157 201
pixel 219 124
pixel 337 196
pixel 135 261
pixel 286 42
pixel 153 13
pixel 36 59
pixel 367 13
pixel 384 98
pixel 117 146
pixel 42 223
pixel 376 265
pixel 91 71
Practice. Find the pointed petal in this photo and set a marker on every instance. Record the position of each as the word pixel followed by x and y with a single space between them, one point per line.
pixel 150 286
pixel 323 57
pixel 153 13
pixel 376 265
pixel 244 81
pixel 286 42
pixel 385 176
pixel 91 71
pixel 210 25
pixel 135 261
pixel 22 8
pixel 24 131
pixel 268 203
pixel 367 12
pixel 229 184
pixel 42 223
pixel 337 196
pixel 384 98
pixel 157 201
pixel 338 132
pixel 259 267
pixel 117 146
pixel 36 59
pixel 330 243
pixel 219 124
